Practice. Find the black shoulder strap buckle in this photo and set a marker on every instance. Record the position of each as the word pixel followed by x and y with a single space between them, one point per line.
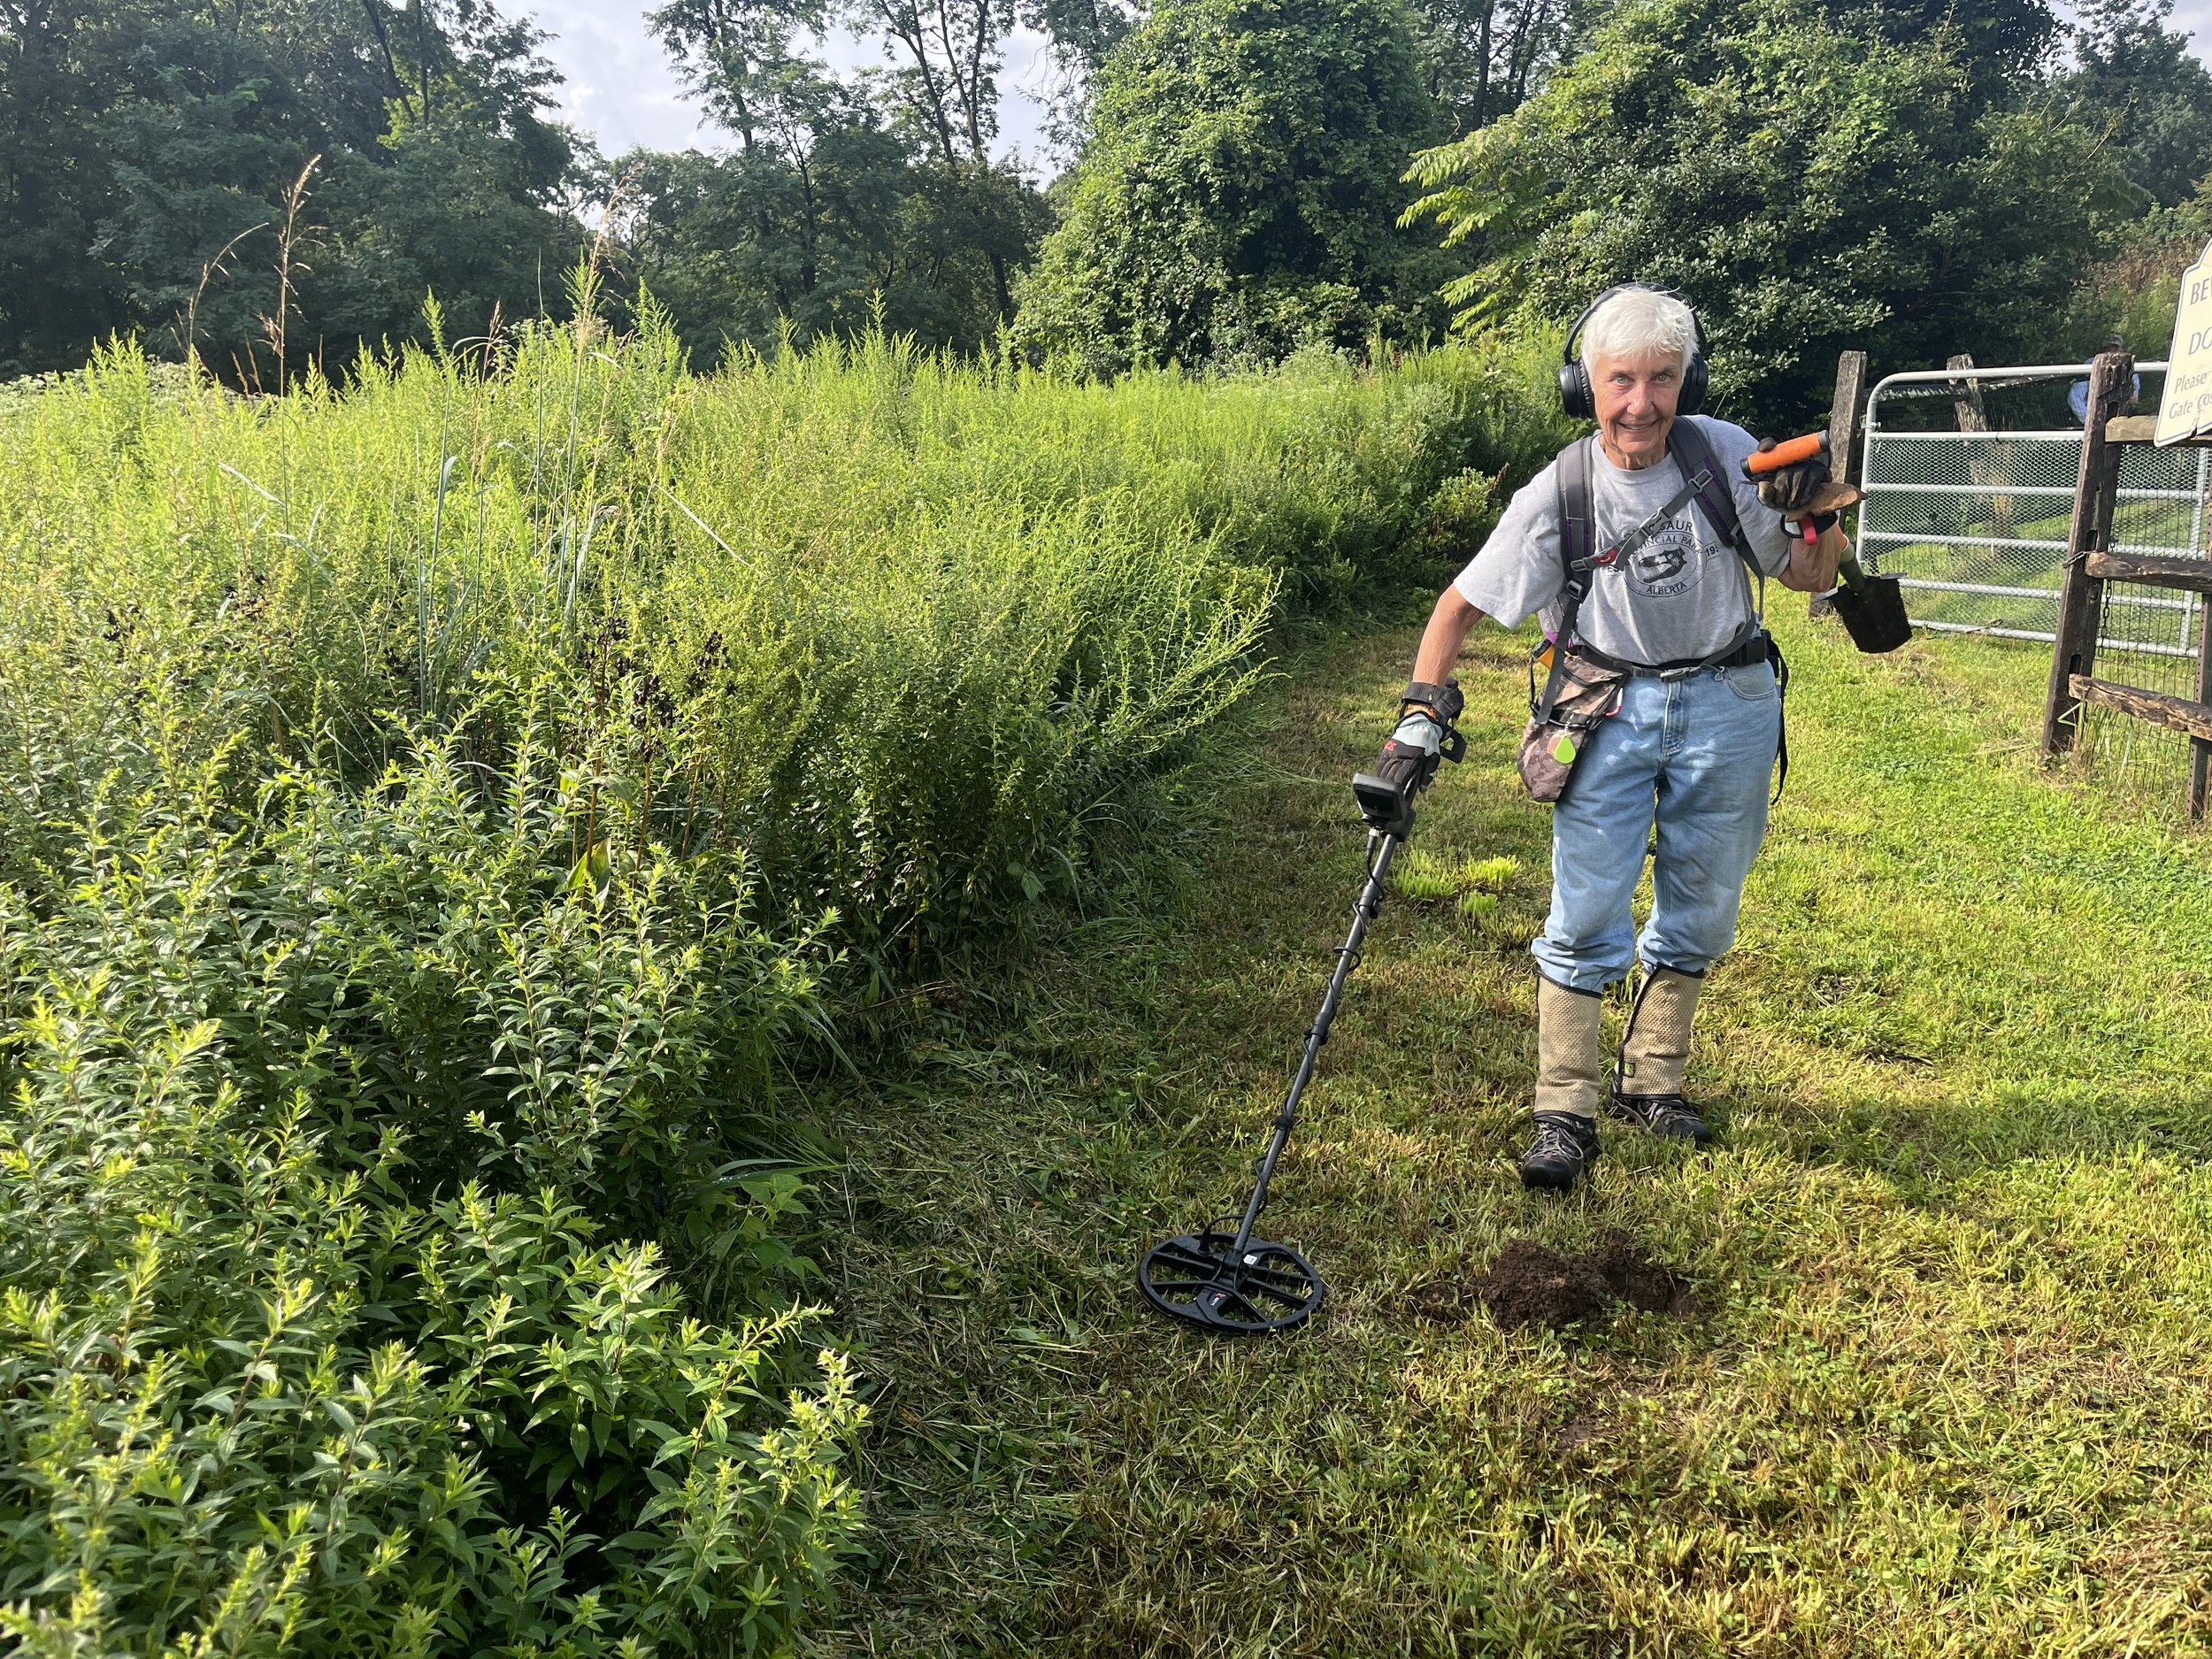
pixel 1694 454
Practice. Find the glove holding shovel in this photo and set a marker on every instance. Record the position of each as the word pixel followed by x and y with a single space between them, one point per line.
pixel 1794 479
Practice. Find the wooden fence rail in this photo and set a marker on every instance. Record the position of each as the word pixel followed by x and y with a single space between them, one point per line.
pixel 2090 563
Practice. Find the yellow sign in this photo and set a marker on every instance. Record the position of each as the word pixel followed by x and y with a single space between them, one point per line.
pixel 2186 409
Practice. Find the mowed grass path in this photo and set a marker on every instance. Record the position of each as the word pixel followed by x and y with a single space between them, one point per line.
pixel 1949 1391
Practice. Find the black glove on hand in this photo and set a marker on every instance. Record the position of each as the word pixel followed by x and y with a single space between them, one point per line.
pixel 1409 758
pixel 1790 489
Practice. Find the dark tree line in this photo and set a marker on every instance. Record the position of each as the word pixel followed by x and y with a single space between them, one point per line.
pixel 240 175
pixel 278 182
pixel 153 155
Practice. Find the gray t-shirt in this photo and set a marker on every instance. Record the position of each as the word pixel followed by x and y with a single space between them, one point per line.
pixel 1683 595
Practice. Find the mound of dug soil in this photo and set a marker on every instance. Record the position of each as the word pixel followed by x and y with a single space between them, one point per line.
pixel 1530 1285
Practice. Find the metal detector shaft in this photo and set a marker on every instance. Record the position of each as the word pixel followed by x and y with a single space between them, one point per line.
pixel 1369 906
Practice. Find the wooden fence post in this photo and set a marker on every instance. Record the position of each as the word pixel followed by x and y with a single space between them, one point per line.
pixel 1966 398
pixel 1983 469
pixel 2080 596
pixel 1844 418
pixel 1843 414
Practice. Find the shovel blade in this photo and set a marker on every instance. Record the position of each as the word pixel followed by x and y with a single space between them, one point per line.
pixel 1873 614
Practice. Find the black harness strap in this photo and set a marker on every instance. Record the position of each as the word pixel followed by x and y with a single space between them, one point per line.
pixel 1704 482
pixel 1577 550
pixel 1694 454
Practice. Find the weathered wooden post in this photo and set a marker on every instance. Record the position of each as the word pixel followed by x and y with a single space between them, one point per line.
pixel 1982 468
pixel 1844 418
pixel 2111 387
pixel 1844 413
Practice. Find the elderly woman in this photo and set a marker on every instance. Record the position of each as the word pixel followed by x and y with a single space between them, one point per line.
pixel 1684 710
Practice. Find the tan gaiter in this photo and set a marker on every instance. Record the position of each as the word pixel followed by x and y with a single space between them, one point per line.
pixel 1567 1076
pixel 1656 1050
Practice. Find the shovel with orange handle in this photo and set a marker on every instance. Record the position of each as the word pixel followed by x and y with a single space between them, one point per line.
pixel 1872 607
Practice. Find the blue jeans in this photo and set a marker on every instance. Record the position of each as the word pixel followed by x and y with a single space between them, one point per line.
pixel 1695 757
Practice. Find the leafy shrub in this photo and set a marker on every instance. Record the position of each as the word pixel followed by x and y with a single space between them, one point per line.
pixel 252 1407
pixel 463 955
pixel 1454 524
pixel 273 1379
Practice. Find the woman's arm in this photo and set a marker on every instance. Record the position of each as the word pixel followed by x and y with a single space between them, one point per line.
pixel 1448 625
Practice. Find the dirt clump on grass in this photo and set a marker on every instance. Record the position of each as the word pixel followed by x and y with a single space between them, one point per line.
pixel 1530 1284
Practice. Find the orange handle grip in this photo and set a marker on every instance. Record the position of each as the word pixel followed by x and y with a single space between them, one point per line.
pixel 1785 454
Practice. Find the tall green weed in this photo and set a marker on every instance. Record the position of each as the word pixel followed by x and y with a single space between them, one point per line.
pixel 954 614
pixel 331 1109
pixel 440 819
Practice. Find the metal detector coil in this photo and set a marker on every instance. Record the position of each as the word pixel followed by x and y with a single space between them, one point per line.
pixel 1205 1278
pixel 1230 1281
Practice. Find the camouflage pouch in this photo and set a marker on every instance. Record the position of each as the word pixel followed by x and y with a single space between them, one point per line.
pixel 1578 694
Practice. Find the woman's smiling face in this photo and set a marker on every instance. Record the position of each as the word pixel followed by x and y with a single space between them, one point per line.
pixel 1636 398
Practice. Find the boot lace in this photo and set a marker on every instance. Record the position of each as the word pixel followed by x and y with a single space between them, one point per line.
pixel 1556 1139
pixel 1667 1114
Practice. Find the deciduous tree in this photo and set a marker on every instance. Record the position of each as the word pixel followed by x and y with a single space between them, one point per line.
pixel 1812 180
pixel 1239 195
pixel 835 212
pixel 2137 82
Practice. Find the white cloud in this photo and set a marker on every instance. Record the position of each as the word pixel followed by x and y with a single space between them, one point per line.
pixel 620 87
pixel 617 83
pixel 2194 17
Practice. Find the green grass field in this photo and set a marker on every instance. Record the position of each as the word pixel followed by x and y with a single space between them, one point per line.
pixel 1948 1391
pixel 496 860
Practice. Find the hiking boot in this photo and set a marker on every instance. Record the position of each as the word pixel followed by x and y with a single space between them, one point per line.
pixel 1565 1145
pixel 1662 1114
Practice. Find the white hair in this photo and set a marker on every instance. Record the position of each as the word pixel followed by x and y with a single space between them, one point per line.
pixel 1639 323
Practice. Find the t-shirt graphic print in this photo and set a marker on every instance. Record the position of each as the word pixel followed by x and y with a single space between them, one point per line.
pixel 1669 562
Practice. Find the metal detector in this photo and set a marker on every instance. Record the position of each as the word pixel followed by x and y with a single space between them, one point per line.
pixel 1231 1281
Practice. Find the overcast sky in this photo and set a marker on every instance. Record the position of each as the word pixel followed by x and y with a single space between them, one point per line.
pixel 2196 17
pixel 621 90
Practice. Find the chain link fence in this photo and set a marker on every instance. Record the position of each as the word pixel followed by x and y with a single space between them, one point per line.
pixel 1969 477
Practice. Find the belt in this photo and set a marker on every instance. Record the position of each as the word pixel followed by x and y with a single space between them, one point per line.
pixel 1749 654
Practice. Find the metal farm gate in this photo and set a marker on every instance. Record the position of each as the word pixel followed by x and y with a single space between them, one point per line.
pixel 1970 476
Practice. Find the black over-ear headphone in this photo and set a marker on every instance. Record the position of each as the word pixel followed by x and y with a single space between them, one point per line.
pixel 1576 395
